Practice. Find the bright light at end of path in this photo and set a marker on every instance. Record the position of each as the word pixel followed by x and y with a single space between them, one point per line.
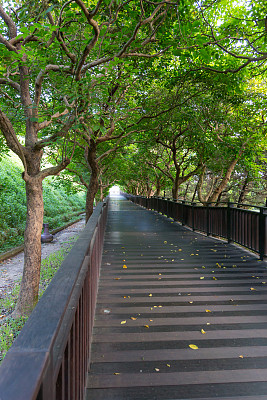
pixel 114 191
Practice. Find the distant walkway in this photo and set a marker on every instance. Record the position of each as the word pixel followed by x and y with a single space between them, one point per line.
pixel 179 315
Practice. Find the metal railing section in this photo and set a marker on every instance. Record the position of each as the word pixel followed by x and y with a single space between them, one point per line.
pixel 50 357
pixel 245 227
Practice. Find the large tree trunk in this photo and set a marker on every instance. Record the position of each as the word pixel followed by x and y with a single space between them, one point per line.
pixel 93 184
pixel 244 190
pixel 158 187
pixel 175 187
pixel 28 295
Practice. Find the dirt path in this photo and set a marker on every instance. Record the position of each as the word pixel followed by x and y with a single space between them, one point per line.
pixel 11 269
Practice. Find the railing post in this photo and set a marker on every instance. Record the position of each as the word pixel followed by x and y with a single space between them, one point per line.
pixel 167 208
pixel 183 204
pixel 208 219
pixel 229 222
pixel 193 216
pixel 262 232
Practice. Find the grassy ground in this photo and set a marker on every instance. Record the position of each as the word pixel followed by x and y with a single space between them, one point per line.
pixel 10 327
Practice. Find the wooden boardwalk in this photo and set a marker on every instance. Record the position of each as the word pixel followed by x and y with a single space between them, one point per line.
pixel 164 288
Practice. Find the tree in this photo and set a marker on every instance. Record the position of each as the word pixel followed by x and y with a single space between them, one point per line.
pixel 53 57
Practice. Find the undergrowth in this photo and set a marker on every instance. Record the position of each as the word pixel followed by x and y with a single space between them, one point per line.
pixel 61 204
pixel 10 327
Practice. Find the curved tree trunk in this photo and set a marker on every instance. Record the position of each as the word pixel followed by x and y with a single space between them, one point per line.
pixel 215 195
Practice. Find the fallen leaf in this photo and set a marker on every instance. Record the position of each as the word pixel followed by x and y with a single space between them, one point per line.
pixel 215 279
pixel 252 288
pixel 116 373
pixel 241 356
pixel 156 369
pixel 191 302
pixel 124 266
pixel 202 277
pixel 202 331
pixel 168 365
pixel 193 346
pixel 208 323
pixel 165 241
pixel 117 279
pixel 123 322
pixel 151 320
pixel 134 319
pixel 146 326
pixel 207 310
pixel 150 295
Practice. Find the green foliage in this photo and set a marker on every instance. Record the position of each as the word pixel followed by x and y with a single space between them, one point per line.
pixel 59 206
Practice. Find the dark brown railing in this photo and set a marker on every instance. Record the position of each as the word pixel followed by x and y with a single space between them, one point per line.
pixel 240 225
pixel 49 359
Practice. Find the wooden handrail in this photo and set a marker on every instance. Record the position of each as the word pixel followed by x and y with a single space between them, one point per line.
pixel 49 359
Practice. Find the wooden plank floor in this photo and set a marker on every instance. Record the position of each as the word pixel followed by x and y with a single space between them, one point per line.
pixel 179 289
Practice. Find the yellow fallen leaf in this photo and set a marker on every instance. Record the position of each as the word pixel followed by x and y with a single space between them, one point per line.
pixel 146 326
pixel 157 369
pixel 165 241
pixel 134 319
pixel 168 365
pixel 208 323
pixel 159 306
pixel 123 260
pixel 202 277
pixel 117 279
pixel 263 283
pixel 116 373
pixel 150 295
pixel 203 267
pixel 215 279
pixel 191 302
pixel 151 320
pixel 159 274
pixel 207 310
pixel 123 322
pixel 241 356
pixel 125 297
pixel 202 331
pixel 252 288
pixel 182 259
pixel 124 266
pixel 193 346
pixel 179 249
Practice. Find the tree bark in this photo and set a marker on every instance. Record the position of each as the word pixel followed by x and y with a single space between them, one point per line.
pixel 28 295
pixel 244 190
pixel 93 184
pixel 215 195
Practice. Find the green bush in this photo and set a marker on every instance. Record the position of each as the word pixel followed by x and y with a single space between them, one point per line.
pixel 60 207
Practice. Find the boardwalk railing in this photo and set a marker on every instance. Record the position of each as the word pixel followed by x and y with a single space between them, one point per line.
pixel 243 226
pixel 49 359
